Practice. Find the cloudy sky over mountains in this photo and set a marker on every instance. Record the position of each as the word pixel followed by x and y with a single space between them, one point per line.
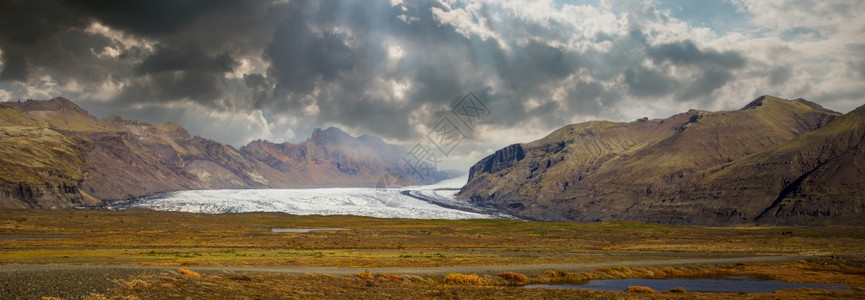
pixel 235 71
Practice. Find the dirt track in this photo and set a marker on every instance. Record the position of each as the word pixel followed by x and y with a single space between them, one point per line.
pixel 19 281
pixel 417 270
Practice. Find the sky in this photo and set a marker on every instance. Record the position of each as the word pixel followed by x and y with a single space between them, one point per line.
pixel 239 70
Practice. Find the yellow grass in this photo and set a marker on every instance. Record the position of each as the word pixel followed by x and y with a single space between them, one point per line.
pixel 189 273
pixel 463 279
pixel 640 289
pixel 175 239
pixel 365 275
pixel 394 278
pixel 179 240
pixel 514 277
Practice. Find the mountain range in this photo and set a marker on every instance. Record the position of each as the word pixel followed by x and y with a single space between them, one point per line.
pixel 774 161
pixel 55 154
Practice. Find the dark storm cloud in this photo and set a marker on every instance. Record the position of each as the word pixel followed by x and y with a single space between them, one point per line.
pixel 15 67
pixel 153 18
pixel 195 43
pixel 326 55
pixel 332 55
pixel 705 84
pixel 190 58
pixel 780 75
pixel 25 27
pixel 301 57
pixel 687 53
pixel 34 27
pixel 201 87
pixel 66 54
pixel 180 73
pixel 714 70
pixel 373 66
pixel 647 82
pixel 26 22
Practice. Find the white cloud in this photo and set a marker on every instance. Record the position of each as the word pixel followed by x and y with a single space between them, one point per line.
pixel 5 96
pixel 395 53
pixel 122 40
pixel 468 21
pixel 825 17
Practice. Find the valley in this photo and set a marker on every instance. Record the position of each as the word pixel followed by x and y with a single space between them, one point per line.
pixel 459 149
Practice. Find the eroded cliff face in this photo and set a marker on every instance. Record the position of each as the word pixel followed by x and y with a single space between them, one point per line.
pixel 502 159
pixel 57 155
pixel 774 161
pixel 45 195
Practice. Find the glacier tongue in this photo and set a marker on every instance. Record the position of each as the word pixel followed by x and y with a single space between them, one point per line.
pixel 323 201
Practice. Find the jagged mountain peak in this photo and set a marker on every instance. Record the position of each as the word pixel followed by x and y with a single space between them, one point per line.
pixel 330 131
pixel 331 136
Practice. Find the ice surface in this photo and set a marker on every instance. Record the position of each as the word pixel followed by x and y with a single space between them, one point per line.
pixel 380 203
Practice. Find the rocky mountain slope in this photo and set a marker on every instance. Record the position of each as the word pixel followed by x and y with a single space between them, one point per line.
pixel 55 154
pixel 773 161
pixel 329 157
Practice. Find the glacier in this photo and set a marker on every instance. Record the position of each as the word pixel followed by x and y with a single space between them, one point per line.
pixel 413 202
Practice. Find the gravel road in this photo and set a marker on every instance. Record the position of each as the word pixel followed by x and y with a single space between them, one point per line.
pixel 19 281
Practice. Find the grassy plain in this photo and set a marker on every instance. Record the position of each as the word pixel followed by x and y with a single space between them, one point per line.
pixel 175 240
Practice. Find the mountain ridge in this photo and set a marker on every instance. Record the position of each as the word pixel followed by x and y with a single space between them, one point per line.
pixel 656 170
pixel 56 154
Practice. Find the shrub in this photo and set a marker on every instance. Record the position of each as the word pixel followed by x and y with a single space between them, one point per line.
pixel 640 289
pixel 514 276
pixel 463 279
pixel 622 269
pixel 365 275
pixel 677 290
pixel 552 273
pixel 189 273
pixel 131 284
pixel 669 272
pixel 390 277
pixel 416 279
pixel 92 296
